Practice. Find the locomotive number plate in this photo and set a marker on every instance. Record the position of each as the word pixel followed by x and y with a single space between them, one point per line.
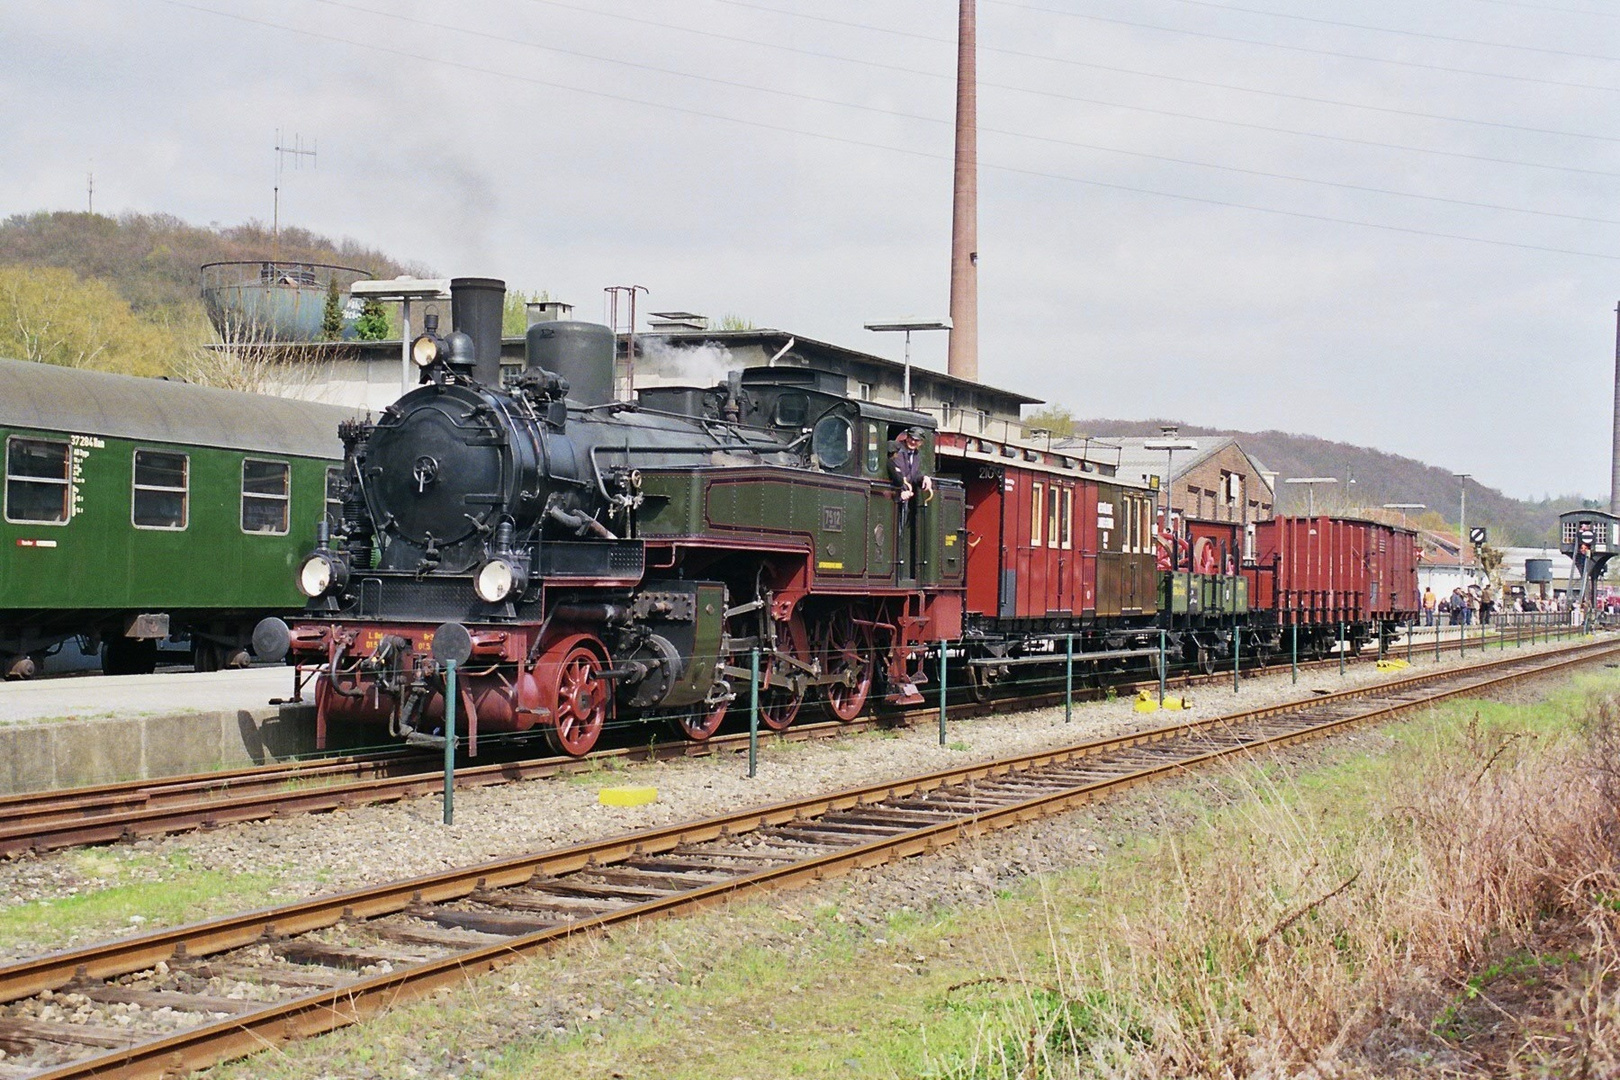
pixel 832 519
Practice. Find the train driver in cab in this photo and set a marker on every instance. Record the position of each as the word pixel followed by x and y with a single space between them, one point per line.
pixel 905 465
pixel 906 470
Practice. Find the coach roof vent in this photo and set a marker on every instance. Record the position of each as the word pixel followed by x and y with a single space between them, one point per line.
pixel 667 322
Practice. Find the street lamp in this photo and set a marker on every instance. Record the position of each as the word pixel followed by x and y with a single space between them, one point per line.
pixel 1404 507
pixel 1310 483
pixel 907 327
pixel 1169 443
pixel 1462 524
pixel 404 290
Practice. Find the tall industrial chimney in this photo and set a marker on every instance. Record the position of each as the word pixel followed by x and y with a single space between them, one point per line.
pixel 963 358
pixel 1614 447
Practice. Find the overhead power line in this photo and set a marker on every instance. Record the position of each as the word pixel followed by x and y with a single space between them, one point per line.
pixel 1204 34
pixel 506 39
pixel 1210 4
pixel 847 141
pixel 1063 60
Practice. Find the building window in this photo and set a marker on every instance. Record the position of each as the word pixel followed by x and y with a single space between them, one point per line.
pixel 265 489
pixel 1037 514
pixel 863 391
pixel 159 499
pixel 1066 519
pixel 37 488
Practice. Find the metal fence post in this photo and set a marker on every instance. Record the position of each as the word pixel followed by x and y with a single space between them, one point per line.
pixel 753 712
pixel 1341 649
pixel 1409 629
pixel 942 659
pixel 1237 650
pixel 1296 653
pixel 1164 662
pixel 1068 680
pixel 450 742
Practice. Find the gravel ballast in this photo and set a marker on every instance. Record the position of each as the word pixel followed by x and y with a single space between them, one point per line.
pixel 347 849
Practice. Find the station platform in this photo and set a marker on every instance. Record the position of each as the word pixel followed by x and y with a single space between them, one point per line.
pixel 97 729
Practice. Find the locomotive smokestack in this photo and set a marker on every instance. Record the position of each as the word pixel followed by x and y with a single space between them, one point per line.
pixel 477 307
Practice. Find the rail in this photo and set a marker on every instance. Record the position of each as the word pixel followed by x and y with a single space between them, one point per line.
pixel 438 930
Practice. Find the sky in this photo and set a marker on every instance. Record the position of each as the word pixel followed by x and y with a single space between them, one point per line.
pixel 1388 223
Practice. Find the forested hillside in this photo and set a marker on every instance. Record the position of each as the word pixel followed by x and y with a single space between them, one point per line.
pixel 1369 477
pixel 152 260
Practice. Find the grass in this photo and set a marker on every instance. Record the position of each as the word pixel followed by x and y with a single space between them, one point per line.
pixel 121 892
pixel 1355 919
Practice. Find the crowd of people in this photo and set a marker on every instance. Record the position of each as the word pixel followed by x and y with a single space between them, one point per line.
pixel 1476 603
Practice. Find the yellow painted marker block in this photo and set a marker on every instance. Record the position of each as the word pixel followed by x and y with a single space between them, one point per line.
pixel 1177 703
pixel 1392 665
pixel 1145 702
pixel 630 795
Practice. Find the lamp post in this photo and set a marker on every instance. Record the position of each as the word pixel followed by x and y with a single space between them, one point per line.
pixel 1169 443
pixel 1310 483
pixel 906 327
pixel 1404 507
pixel 1462 527
pixel 404 290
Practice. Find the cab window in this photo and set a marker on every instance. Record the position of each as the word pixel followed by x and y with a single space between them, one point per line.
pixel 833 442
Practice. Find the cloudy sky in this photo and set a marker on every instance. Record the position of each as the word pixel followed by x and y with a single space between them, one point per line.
pixel 1391 223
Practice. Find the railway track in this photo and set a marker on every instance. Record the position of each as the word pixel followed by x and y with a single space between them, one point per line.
pixel 52 820
pixel 183 998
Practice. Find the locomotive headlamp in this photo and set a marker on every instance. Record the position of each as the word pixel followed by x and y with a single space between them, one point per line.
pixel 317 575
pixel 494 581
pixel 425 350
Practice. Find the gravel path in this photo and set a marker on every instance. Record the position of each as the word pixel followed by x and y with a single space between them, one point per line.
pixel 346 849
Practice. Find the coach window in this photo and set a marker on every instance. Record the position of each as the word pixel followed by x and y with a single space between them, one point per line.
pixel 1066 520
pixel 1037 514
pixel 264 496
pixel 159 496
pixel 37 489
pixel 1053 504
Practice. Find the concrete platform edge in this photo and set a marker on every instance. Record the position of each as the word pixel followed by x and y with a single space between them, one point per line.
pixel 79 753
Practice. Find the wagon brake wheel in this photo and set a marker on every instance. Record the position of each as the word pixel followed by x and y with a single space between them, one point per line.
pixel 846 650
pixel 1206 660
pixel 581 702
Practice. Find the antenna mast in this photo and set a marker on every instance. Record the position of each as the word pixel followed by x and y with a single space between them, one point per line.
pixel 297 152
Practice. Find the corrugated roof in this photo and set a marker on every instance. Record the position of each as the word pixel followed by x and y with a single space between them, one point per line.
pixel 77 401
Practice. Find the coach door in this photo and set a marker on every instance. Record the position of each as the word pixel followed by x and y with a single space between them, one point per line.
pixel 985 509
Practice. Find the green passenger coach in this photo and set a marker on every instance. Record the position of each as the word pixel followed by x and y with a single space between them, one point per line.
pixel 138 509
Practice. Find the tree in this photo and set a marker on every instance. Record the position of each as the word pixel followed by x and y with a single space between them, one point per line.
pixel 1054 418
pixel 332 313
pixel 515 315
pixel 734 322
pixel 51 316
pixel 372 325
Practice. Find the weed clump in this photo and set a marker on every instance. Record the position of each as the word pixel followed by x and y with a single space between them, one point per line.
pixel 1459 915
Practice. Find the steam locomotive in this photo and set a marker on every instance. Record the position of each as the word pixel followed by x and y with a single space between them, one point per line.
pixel 582 558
